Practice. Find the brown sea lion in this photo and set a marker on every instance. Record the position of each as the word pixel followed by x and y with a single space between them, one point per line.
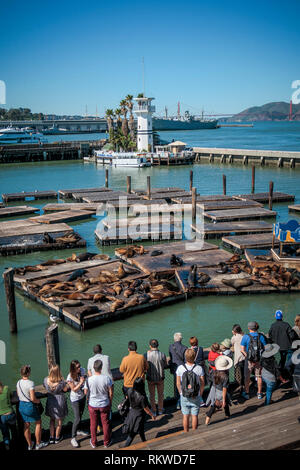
pixel 53 262
pixel 79 296
pixel 235 269
pixel 118 289
pixel 116 305
pixel 130 269
pixel 102 256
pixel 139 249
pixel 143 299
pixel 121 251
pixel 234 259
pixel 128 292
pixel 263 258
pixel 121 272
pixel 237 284
pixel 69 303
pixel 203 278
pixel 132 302
pixel 99 297
pixel 72 258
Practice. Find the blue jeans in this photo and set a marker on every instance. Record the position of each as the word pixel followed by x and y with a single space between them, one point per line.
pixel 5 422
pixel 270 386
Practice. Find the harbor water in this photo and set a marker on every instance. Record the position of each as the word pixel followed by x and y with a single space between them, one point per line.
pixel 210 318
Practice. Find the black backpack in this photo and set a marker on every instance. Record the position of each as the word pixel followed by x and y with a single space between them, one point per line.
pixel 255 349
pixel 189 383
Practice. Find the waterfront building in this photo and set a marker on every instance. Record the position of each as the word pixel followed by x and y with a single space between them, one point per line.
pixel 144 110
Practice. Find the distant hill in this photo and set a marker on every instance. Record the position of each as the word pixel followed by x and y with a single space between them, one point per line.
pixel 276 111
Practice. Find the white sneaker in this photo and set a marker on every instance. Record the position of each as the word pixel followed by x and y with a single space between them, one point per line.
pixel 82 433
pixel 41 445
pixel 31 447
pixel 92 445
pixel 74 442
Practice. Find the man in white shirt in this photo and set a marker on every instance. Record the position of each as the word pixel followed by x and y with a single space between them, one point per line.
pixel 190 405
pixel 98 356
pixel 99 388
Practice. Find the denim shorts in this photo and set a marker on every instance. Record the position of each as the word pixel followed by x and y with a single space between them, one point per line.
pixel 190 406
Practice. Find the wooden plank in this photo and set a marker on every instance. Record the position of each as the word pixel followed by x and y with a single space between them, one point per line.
pixel 157 190
pixel 151 219
pixel 211 230
pixel 63 216
pixel 139 204
pixel 168 195
pixel 164 231
pixel 222 205
pixel 241 242
pixel 22 195
pixel 202 199
pixel 17 210
pixel 104 197
pixel 30 228
pixel 294 208
pixel 254 256
pixel 72 206
pixel 67 193
pixel 239 214
pixel 264 197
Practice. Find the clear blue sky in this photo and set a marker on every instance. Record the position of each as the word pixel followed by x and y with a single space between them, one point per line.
pixel 223 56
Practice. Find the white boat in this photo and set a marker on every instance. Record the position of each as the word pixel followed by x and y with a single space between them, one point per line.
pixel 132 159
pixel 12 135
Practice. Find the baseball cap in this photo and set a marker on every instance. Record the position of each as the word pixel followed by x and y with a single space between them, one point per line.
pixel 252 325
pixel 278 315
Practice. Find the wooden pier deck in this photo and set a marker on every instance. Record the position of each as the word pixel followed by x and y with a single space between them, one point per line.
pixel 201 199
pixel 129 234
pixel 223 205
pixel 16 211
pixel 72 206
pixel 294 208
pixel 239 214
pixel 219 229
pixel 67 193
pixel 167 195
pixel 63 216
pixel 143 192
pixel 238 243
pixel 104 197
pixel 7 197
pixel 252 426
pixel 264 197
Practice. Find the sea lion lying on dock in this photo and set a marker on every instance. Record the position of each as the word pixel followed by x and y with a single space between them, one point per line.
pixel 68 238
pixel 84 257
pixel 156 253
pixel 237 284
pixel 76 274
pixel 47 238
pixel 222 269
pixel 192 277
pixel 176 261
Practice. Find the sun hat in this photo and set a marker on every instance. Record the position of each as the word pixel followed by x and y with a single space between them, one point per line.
pixel 270 350
pixel 296 344
pixel 252 325
pixel 223 363
pixel 278 315
pixel 226 342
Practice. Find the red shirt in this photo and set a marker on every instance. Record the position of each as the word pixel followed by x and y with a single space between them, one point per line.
pixel 211 358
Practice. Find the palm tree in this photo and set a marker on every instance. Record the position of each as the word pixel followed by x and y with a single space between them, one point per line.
pixel 124 111
pixel 118 113
pixel 129 99
pixel 109 114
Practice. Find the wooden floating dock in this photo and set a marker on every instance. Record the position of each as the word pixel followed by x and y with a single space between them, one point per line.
pixel 226 228
pixel 290 262
pixel 223 205
pixel 63 216
pixel 142 192
pixel 253 257
pixel 126 235
pixel 72 206
pixel 295 208
pixel 67 193
pixel 92 312
pixel 103 197
pixel 29 194
pixel 201 199
pixel 239 214
pixel 264 197
pixel 239 243
pixel 167 195
pixel 17 210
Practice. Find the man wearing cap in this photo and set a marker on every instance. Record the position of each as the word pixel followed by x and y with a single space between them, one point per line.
pixel 249 365
pixel 282 334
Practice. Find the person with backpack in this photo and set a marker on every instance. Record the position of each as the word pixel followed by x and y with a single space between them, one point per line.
pixel 176 354
pixel 282 334
pixel 218 397
pixel 270 370
pixel 157 362
pixel 190 385
pixel 252 347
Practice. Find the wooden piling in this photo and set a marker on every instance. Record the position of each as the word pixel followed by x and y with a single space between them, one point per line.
pixel 106 178
pixel 253 180
pixel 194 199
pixel 129 184
pixel 191 180
pixel 271 187
pixel 149 187
pixel 224 185
pixel 8 277
pixel 52 346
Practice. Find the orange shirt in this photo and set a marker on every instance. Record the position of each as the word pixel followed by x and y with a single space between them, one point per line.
pixel 133 366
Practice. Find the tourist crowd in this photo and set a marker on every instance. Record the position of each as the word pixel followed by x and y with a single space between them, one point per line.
pixel 192 368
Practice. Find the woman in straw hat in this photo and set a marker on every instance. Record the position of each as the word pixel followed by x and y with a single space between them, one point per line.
pixel 219 397
pixel 270 372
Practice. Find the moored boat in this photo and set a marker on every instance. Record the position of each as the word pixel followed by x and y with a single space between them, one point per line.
pixel 131 159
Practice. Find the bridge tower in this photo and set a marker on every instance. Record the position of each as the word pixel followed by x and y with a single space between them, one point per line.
pixel 144 110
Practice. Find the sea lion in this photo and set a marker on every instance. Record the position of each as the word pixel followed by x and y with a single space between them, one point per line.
pixel 234 259
pixel 88 310
pixel 118 289
pixel 121 251
pixel 53 262
pixel 81 286
pixel 156 296
pixel 192 277
pixel 132 302
pixel 130 269
pixel 79 296
pixel 99 297
pixel 235 269
pixel 69 303
pixel 128 292
pixel 121 272
pixel 84 257
pixel 156 253
pixel 139 249
pixel 47 238
pixel 223 268
pixel 176 261
pixel 263 258
pixel 76 274
pixel 203 278
pixel 101 256
pixel 136 283
pixel 143 299
pixel 116 305
pixel 237 284
pixel 72 258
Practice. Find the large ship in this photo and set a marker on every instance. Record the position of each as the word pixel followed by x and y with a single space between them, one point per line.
pixel 183 123
pixel 11 135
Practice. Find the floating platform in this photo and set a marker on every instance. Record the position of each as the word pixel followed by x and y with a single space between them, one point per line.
pixel 90 310
pixel 166 195
pixel 16 211
pixel 67 193
pixel 223 205
pixel 230 228
pixel 264 197
pixel 129 234
pixel 238 243
pixel 295 208
pixel 259 258
pixel 63 216
pixel 104 197
pixel 72 206
pixel 30 194
pixel 289 262
pixel 142 192
pixel 239 214
pixel 202 199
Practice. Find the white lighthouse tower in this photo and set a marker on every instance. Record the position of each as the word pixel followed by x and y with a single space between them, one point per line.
pixel 144 111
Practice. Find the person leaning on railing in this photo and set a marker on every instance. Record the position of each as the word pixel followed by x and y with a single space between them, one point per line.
pixel 7 415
